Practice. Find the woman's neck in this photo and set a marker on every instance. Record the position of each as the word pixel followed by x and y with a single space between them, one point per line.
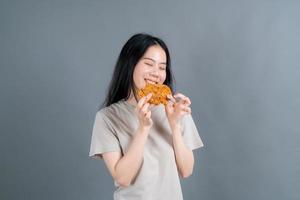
pixel 132 99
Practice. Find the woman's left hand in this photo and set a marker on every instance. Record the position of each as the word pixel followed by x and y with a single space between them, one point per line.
pixel 175 110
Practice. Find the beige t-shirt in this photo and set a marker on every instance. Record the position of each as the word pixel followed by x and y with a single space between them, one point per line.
pixel 158 178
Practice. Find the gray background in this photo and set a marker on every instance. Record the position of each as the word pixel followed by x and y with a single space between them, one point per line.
pixel 237 60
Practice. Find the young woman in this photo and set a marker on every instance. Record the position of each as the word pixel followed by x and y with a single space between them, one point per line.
pixel 145 147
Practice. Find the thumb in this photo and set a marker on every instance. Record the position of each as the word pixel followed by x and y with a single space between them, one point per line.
pixel 168 107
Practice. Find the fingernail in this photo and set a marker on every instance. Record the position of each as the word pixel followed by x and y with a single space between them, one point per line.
pixel 177 99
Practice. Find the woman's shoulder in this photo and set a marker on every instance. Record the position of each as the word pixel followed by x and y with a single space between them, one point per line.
pixel 112 109
pixel 105 114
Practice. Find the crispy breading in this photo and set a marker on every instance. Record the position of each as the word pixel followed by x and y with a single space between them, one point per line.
pixel 159 93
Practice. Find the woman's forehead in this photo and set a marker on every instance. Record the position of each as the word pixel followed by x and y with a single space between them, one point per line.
pixel 155 54
pixel 150 59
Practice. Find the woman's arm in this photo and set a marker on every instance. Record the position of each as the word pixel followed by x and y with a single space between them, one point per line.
pixel 184 156
pixel 124 169
pixel 175 110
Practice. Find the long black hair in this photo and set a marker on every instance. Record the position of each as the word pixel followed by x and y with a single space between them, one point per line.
pixel 122 82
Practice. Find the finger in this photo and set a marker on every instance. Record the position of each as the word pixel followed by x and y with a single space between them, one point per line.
pixel 144 100
pixel 188 109
pixel 180 105
pixel 186 101
pixel 141 102
pixel 151 106
pixel 169 107
pixel 144 109
pixel 180 95
pixel 189 102
pixel 148 97
pixel 183 107
pixel 183 98
pixel 148 115
pixel 169 96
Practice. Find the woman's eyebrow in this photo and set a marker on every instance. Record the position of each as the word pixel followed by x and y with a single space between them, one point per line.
pixel 154 60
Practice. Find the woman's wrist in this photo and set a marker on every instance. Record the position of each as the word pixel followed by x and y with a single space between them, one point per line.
pixel 144 129
pixel 175 127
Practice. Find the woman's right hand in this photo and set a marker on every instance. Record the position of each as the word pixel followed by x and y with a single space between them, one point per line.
pixel 144 113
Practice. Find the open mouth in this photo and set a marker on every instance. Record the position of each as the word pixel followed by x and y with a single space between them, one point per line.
pixel 150 81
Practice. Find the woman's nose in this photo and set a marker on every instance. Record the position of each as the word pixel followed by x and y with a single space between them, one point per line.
pixel 154 75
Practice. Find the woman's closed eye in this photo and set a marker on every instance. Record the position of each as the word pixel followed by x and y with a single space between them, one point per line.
pixel 162 68
pixel 149 64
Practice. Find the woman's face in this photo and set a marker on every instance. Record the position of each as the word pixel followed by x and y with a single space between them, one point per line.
pixel 151 67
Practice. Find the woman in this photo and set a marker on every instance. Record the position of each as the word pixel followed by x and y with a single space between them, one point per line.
pixel 144 147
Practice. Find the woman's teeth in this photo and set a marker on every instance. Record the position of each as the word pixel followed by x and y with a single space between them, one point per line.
pixel 152 82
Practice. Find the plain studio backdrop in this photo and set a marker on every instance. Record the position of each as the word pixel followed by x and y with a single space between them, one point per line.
pixel 238 61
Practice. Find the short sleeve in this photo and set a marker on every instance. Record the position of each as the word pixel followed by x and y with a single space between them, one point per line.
pixel 190 133
pixel 104 138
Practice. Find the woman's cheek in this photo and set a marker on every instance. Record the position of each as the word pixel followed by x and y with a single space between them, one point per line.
pixel 163 78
